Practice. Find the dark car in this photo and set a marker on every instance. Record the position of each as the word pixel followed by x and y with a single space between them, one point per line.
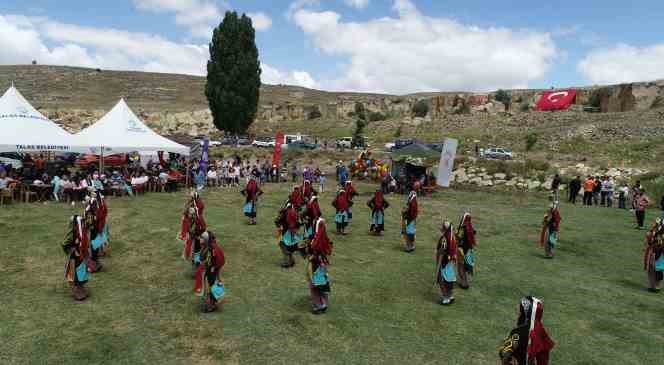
pixel 436 146
pixel 243 141
pixel 303 145
pixel 401 143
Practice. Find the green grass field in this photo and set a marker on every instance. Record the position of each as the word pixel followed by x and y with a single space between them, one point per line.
pixel 383 303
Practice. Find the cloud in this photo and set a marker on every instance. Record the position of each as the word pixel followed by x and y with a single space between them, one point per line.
pixel 412 52
pixel 24 39
pixel 261 21
pixel 271 75
pixel 199 16
pixel 357 4
pixel 623 63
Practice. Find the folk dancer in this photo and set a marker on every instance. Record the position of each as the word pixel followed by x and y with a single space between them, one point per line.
pixel 528 343
pixel 409 222
pixel 307 190
pixel 193 225
pixel 311 214
pixel 549 234
pixel 94 214
pixel 446 255
pixel 653 259
pixel 251 193
pixel 350 195
pixel 76 246
pixel 296 198
pixel 340 203
pixel 317 268
pixel 378 204
pixel 288 224
pixel 466 255
pixel 209 283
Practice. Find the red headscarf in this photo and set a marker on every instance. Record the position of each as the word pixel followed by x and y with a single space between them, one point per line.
pixel 314 208
pixel 306 188
pixel 451 242
pixel 296 197
pixel 378 200
pixel 467 223
pixel 291 218
pixel 321 244
pixel 350 190
pixel 412 205
pixel 540 342
pixel 251 189
pixel 341 202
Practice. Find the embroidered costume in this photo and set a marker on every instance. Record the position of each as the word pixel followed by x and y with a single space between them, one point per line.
pixel 209 283
pixel 251 193
pixel 466 254
pixel 311 214
pixel 550 230
pixel 296 198
pixel 95 214
pixel 76 246
pixel 528 343
pixel 340 203
pixel 350 195
pixel 307 190
pixel 653 259
pixel 446 252
pixel 288 224
pixel 409 222
pixel 193 225
pixel 378 204
pixel 317 268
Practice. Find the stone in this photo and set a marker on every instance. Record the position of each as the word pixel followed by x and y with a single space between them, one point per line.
pixel 486 183
pixel 476 181
pixel 500 182
pixel 547 184
pixel 500 176
pixel 533 184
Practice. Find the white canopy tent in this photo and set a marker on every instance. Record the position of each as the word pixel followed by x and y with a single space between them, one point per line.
pixel 24 129
pixel 121 131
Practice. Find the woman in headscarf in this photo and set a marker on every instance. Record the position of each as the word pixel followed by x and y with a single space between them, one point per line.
pixel 409 221
pixel 446 252
pixel 209 283
pixel 296 198
pixel 311 214
pixel 307 190
pixel 653 259
pixel 76 246
pixel 288 224
pixel 378 204
pixel 466 256
pixel 340 203
pixel 528 343
pixel 350 195
pixel 251 193
pixel 94 216
pixel 550 230
pixel 193 225
pixel 317 268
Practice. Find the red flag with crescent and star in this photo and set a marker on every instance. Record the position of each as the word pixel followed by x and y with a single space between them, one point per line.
pixel 556 100
pixel 276 155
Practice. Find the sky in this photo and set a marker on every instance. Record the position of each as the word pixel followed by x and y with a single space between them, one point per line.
pixel 387 46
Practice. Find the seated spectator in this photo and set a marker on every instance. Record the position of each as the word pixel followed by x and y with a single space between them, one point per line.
pixel 119 183
pixel 4 180
pixel 212 178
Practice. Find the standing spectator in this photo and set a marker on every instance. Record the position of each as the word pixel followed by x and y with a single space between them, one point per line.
pixel 574 188
pixel 607 191
pixel 294 173
pixel 40 164
pixel 642 203
pixel 597 190
pixel 322 178
pixel 588 187
pixel 622 196
pixel 555 188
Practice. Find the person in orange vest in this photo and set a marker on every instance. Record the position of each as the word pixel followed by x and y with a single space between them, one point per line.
pixel 588 187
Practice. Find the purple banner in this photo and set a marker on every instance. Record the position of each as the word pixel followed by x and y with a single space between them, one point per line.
pixel 204 156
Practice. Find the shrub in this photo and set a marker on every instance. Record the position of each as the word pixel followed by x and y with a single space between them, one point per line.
pixel 464 109
pixel 504 97
pixel 531 140
pixel 314 114
pixel 657 103
pixel 397 132
pixel 525 106
pixel 421 109
pixel 376 116
pixel 537 165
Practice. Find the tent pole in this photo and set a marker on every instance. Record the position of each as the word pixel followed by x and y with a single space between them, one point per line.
pixel 101 162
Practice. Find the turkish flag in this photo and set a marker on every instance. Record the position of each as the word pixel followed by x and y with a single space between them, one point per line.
pixel 556 100
pixel 276 156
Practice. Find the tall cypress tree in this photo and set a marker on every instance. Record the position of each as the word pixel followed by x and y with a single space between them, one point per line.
pixel 233 74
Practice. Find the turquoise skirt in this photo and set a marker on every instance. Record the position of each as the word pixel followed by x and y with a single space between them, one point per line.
pixel 341 217
pixel 411 227
pixel 448 273
pixel 320 276
pixel 82 273
pixel 249 208
pixel 218 290
pixel 377 218
pixel 101 239
pixel 291 239
pixel 659 264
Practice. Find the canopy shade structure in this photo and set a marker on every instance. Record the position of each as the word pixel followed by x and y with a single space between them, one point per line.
pixel 24 129
pixel 121 131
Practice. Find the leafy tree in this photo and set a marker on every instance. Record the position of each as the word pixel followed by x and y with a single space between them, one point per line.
pixel 358 133
pixel 421 109
pixel 531 140
pixel 504 97
pixel 233 74
pixel 376 116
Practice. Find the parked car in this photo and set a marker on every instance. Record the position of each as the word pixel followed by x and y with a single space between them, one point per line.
pixel 436 146
pixel 302 145
pixel 389 146
pixel 227 141
pixel 264 142
pixel 345 142
pixel 401 143
pixel 112 161
pixel 12 158
pixel 243 141
pixel 498 153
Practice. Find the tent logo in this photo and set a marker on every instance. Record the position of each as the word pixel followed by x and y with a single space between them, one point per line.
pixel 21 110
pixel 133 126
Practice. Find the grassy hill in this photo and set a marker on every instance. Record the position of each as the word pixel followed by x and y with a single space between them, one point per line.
pixel 383 302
